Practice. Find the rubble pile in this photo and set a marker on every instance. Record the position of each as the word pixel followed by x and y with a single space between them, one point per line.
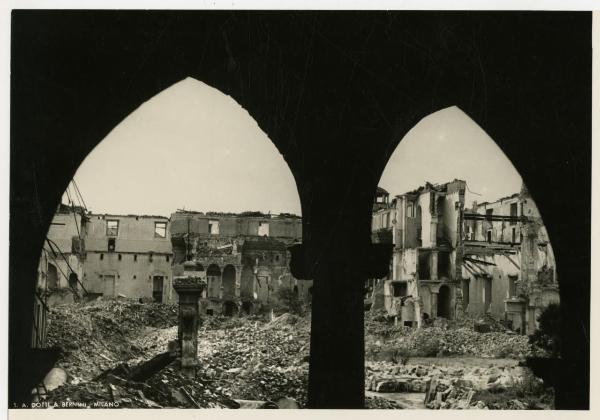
pixel 497 394
pixel 472 321
pixel 166 388
pixel 250 362
pixel 464 386
pixel 383 340
pixel 378 403
pixel 95 395
pixel 257 361
pixel 241 358
pixel 93 336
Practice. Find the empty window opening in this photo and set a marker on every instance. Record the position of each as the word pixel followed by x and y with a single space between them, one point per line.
pixel 444 304
pixel 209 312
pixel 73 280
pixel 52 276
pixel 487 293
pixel 228 281
pixel 229 308
pixel 512 286
pixel 247 307
pixel 424 272
pixel 134 257
pixel 488 214
pixel 213 227
pixel 522 209
pixel 157 288
pixel 168 258
pixel 108 284
pixel 465 290
pixel 263 229
pixel 400 289
pixel 514 235
pixel 120 257
pixel 443 265
pixel 160 229
pixel 513 214
pixel 112 227
pixel 112 244
pixel 101 257
pixel 489 236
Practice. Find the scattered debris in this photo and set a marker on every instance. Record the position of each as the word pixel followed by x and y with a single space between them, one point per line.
pixel 121 353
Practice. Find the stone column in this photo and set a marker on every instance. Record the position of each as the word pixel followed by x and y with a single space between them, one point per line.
pixel 433 230
pixel 238 280
pixel 433 265
pixel 458 302
pixel 189 288
pixel 221 282
pixel 418 312
pixel 434 304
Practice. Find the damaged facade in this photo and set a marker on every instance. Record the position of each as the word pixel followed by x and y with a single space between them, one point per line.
pixel 60 268
pixel 128 256
pixel 243 257
pixel 508 261
pixel 494 258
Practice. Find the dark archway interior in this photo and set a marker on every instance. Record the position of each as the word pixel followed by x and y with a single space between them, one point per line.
pixel 52 276
pixel 228 282
pixel 335 91
pixel 229 308
pixel 73 280
pixel 247 283
pixel 443 304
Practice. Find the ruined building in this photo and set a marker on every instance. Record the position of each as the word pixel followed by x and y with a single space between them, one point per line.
pixel 509 269
pixel 128 256
pixel 494 258
pixel 243 257
pixel 60 268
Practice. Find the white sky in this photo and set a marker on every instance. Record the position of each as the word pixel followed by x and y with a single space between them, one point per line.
pixel 447 145
pixel 190 146
pixel 193 147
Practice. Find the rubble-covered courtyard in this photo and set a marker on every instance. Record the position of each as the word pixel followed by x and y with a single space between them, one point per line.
pixel 114 353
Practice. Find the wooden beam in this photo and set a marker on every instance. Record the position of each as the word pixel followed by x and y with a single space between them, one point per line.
pixel 513 262
pixel 473 260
